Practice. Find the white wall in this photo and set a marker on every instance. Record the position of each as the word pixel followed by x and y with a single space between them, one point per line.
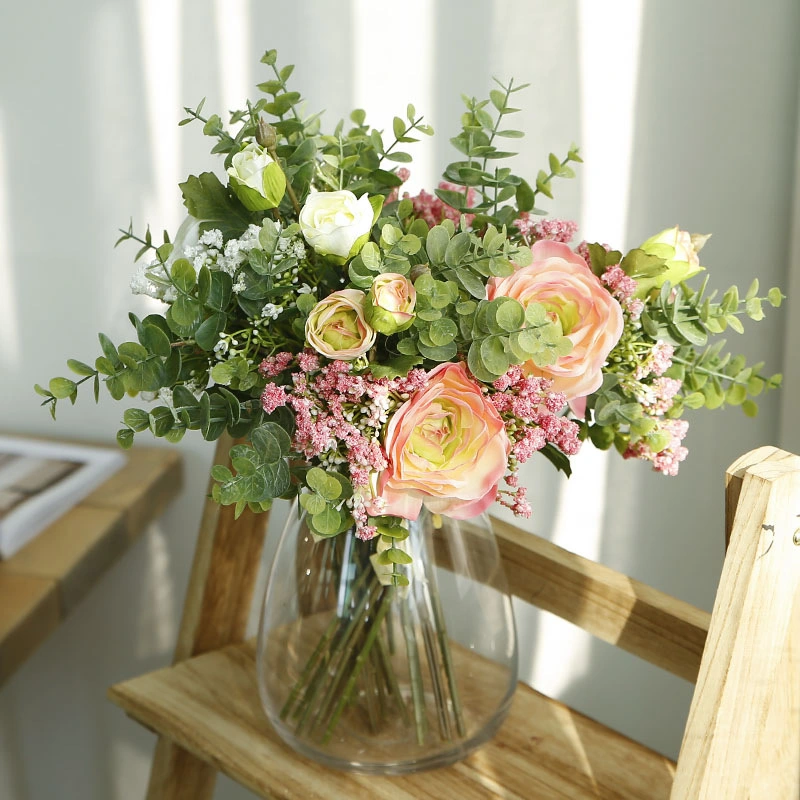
pixel 687 112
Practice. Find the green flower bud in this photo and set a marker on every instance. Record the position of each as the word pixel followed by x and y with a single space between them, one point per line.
pixel 256 179
pixel 680 250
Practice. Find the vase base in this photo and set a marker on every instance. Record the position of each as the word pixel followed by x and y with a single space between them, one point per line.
pixel 374 766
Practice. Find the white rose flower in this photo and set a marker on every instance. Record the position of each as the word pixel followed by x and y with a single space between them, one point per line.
pixel 334 222
pixel 257 180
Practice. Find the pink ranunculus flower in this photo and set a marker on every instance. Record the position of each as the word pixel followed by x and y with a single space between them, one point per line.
pixel 447 448
pixel 337 327
pixel 590 317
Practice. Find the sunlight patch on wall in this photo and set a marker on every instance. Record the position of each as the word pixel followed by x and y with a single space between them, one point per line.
pixel 609 48
pixel 9 331
pixel 232 27
pixel 159 24
pixel 385 80
pixel 156 621
pixel 609 45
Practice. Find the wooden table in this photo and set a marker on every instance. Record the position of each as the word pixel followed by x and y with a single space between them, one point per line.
pixel 46 579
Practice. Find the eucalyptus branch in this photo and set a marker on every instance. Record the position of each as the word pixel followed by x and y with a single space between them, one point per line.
pixel 398 139
pixel 501 112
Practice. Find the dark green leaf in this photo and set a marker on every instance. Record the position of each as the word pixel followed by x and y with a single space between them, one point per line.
pixel 207 335
pixel 155 340
pixel 136 418
pixel 209 201
pixel 125 438
pixel 271 442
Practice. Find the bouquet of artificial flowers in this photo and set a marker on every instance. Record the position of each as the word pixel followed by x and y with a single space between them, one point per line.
pixel 373 352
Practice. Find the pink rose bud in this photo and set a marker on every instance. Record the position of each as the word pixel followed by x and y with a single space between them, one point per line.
pixel 337 327
pixel 390 303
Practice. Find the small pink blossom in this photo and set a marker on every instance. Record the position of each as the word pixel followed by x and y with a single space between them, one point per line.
pixel 404 175
pixel 622 286
pixel 668 460
pixel 658 361
pixel 433 210
pixel 274 365
pixel 308 361
pixel 273 397
pixel 533 228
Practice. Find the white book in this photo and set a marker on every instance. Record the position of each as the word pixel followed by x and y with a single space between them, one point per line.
pixel 41 480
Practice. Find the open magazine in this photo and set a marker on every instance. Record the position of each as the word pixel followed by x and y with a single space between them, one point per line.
pixel 40 480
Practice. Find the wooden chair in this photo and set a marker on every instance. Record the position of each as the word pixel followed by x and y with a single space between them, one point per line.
pixel 742 739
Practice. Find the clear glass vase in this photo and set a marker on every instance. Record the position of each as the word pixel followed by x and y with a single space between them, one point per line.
pixel 359 674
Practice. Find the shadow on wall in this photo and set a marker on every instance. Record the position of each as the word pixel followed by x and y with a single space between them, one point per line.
pixel 699 137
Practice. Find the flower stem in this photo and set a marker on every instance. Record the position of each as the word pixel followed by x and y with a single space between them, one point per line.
pixel 391 678
pixel 444 644
pixel 361 659
pixel 415 674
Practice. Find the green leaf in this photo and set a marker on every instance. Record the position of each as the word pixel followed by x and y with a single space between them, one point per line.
pixel 109 351
pixel 735 323
pixel 207 335
pixel 62 388
pixel 79 368
pixel 155 340
pixel 494 356
pixel 442 332
pixel 775 297
pixel 136 418
pixel 543 184
pixel 183 275
pixel 116 387
pixel 394 555
pixel 713 395
pixel 498 99
pixel 306 302
pixel 446 352
pixel 750 408
pixel 221 473
pixel 601 437
pixel 753 308
pixel 694 400
pixel 160 420
pixel 436 244
pixel 510 315
pixel 327 522
pixel 736 394
pixel 219 291
pixel 312 503
pixel 317 479
pixel 125 438
pixel 457 248
pixel 525 196
pixel 132 352
pixel 209 201
pixel 271 442
pixel 244 466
